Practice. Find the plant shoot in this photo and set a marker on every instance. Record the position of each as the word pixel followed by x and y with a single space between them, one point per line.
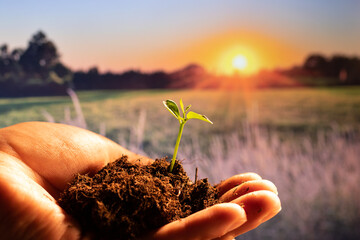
pixel 174 110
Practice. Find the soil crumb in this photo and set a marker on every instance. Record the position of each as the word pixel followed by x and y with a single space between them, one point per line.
pixel 126 200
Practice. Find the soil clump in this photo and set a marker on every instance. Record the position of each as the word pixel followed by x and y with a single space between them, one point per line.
pixel 127 200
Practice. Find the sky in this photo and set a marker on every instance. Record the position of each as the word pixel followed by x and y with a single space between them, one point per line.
pixel 152 35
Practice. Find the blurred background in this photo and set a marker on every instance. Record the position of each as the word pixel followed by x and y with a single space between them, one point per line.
pixel 279 79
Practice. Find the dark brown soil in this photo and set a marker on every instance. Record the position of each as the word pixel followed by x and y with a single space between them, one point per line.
pixel 126 201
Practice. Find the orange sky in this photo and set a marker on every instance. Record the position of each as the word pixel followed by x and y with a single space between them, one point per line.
pixel 217 52
pixel 168 35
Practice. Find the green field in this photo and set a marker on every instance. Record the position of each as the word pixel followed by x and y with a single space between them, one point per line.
pixel 295 111
pixel 139 121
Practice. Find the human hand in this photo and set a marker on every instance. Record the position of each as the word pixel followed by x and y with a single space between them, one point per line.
pixel 248 201
pixel 37 160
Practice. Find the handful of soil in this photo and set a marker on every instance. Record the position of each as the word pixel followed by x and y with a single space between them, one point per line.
pixel 126 201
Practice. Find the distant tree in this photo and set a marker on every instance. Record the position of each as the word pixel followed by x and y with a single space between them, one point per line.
pixel 36 70
pixel 3 53
pixel 337 64
pixel 61 70
pixel 349 69
pixel 7 62
pixel 316 63
pixel 40 56
pixel 16 54
pixel 3 50
pixel 93 71
pixel 335 70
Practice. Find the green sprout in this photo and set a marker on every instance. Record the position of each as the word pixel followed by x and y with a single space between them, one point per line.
pixel 174 110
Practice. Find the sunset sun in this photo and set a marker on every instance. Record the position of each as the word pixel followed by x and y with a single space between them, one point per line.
pixel 238 59
pixel 240 63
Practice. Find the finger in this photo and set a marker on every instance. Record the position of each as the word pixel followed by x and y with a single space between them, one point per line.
pixel 207 224
pixel 57 151
pixel 247 187
pixel 259 206
pixel 236 180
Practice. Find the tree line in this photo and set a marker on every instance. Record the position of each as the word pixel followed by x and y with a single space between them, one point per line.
pixel 37 70
pixel 328 71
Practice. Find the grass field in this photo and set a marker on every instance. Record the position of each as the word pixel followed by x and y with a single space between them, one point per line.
pixel 290 111
pixel 306 141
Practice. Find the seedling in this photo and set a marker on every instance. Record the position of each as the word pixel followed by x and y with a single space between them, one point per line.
pixel 173 108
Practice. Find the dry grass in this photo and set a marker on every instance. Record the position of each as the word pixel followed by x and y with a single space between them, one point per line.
pixel 317 180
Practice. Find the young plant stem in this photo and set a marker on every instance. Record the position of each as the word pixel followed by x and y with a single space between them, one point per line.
pixel 174 110
pixel 177 145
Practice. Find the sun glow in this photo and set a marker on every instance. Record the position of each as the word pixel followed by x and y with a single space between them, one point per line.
pixel 238 59
pixel 217 54
pixel 240 62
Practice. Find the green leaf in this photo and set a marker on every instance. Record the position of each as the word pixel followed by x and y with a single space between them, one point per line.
pixel 182 106
pixel 187 108
pixel 172 107
pixel 194 115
